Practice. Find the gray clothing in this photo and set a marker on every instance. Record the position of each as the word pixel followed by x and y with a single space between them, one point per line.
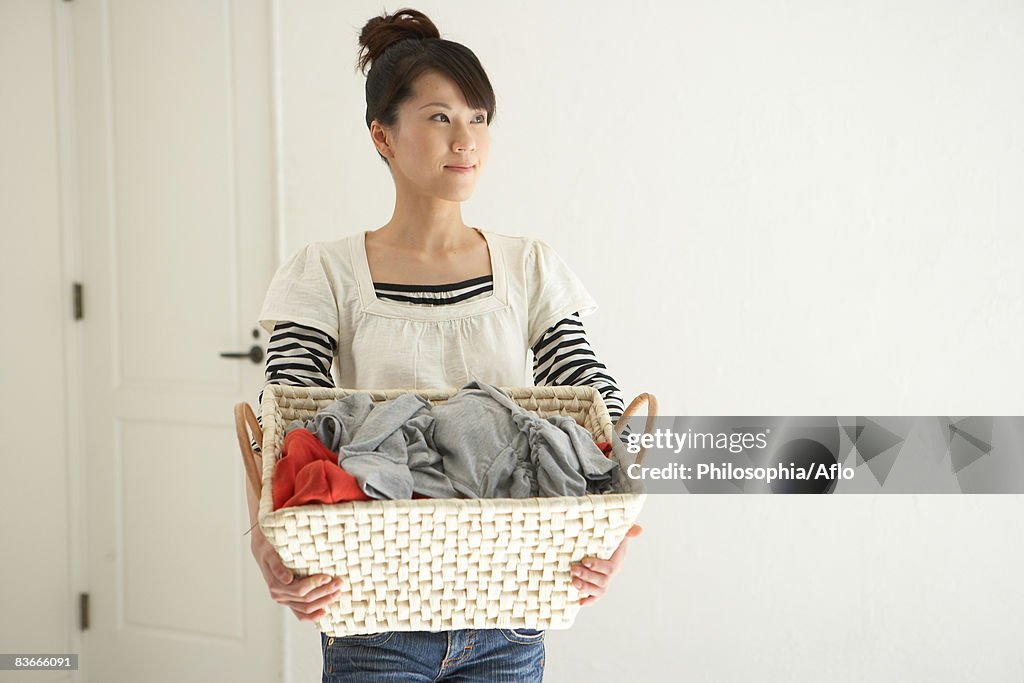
pixel 494 448
pixel 386 446
pixel 477 444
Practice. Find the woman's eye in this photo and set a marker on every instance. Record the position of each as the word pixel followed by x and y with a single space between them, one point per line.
pixel 481 118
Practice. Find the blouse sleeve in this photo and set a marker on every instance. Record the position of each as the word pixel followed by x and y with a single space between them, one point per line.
pixel 553 290
pixel 297 356
pixel 302 292
pixel 564 356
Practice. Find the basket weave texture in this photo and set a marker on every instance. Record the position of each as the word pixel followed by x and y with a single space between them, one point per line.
pixel 442 564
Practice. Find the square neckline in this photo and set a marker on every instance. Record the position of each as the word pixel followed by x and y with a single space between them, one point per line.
pixel 396 309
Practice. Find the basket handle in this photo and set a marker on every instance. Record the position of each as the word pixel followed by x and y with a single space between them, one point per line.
pixel 245 420
pixel 652 412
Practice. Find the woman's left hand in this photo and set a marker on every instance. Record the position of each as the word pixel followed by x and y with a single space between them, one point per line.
pixel 592 576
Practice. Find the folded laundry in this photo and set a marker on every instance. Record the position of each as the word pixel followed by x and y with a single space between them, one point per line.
pixel 478 443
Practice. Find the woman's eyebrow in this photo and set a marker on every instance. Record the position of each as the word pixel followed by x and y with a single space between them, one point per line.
pixel 444 106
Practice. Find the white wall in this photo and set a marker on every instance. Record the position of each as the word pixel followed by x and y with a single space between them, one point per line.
pixel 789 208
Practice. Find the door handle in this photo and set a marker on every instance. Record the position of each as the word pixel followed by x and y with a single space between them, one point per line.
pixel 255 354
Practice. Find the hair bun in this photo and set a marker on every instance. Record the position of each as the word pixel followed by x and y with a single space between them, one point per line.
pixel 382 32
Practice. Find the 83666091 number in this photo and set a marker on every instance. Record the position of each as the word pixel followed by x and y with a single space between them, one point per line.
pixel 54 662
pixel 50 662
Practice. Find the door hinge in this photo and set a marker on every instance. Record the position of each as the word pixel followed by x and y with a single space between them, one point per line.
pixel 77 296
pixel 83 611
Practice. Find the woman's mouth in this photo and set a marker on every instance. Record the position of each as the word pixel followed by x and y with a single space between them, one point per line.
pixel 459 169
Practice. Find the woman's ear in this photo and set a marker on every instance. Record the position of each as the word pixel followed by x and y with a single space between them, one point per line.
pixel 379 136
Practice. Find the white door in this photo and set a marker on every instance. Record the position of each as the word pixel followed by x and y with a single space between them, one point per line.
pixel 175 191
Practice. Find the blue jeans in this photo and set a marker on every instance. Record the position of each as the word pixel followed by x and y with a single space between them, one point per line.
pixel 469 655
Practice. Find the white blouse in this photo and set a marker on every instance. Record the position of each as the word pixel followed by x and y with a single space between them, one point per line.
pixel 393 345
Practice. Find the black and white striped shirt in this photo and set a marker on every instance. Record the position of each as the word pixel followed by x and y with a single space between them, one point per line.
pixel 301 356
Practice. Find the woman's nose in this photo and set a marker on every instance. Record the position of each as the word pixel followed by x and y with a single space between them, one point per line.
pixel 464 141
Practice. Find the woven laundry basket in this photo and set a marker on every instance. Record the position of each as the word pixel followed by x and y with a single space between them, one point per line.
pixel 442 564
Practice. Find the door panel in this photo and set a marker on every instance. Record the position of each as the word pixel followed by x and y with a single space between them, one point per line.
pixel 175 140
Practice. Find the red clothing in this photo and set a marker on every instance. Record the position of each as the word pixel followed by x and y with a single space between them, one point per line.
pixel 309 473
pixel 605 447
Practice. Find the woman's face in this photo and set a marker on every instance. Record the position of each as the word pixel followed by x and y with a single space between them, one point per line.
pixel 435 130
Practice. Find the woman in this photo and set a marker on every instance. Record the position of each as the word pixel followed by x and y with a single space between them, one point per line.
pixel 426 301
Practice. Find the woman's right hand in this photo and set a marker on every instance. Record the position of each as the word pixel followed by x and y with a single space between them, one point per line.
pixel 306 597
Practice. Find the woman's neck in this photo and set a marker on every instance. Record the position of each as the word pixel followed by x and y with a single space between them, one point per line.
pixel 430 225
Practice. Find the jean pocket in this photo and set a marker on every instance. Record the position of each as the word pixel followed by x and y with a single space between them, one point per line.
pixel 360 640
pixel 523 636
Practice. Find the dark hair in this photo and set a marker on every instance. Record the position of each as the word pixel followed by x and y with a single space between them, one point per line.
pixel 402 46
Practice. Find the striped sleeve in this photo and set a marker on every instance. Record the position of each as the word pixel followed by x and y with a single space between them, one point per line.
pixel 298 356
pixel 563 356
